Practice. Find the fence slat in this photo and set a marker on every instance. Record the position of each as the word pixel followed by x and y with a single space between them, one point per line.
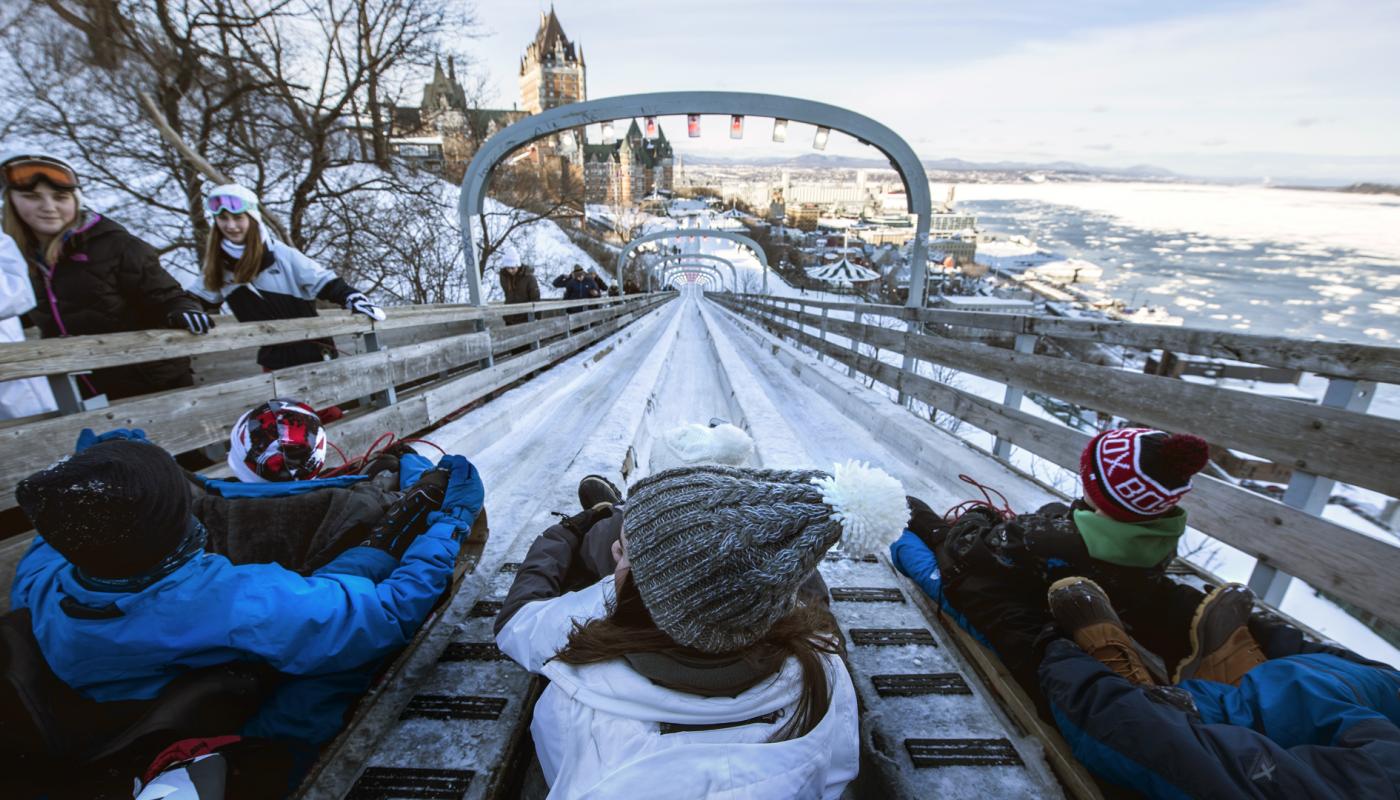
pixel 1351 565
pixel 1328 441
pixel 1379 363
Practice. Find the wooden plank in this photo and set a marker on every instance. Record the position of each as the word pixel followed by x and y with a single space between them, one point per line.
pixel 1370 362
pixel 179 421
pixel 1327 441
pixel 416 361
pixel 1355 567
pixel 76 353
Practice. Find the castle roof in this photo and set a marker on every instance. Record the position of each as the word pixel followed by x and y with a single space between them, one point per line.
pixel 551 44
pixel 444 91
pixel 648 153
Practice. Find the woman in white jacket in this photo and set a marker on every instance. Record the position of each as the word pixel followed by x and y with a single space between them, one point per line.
pixel 262 278
pixel 704 666
pixel 26 396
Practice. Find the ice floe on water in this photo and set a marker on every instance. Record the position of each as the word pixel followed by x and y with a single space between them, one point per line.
pixel 1323 264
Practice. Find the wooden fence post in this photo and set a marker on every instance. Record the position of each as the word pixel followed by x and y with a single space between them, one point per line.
pixel 389 396
pixel 69 397
pixel 1308 492
pixel 1025 343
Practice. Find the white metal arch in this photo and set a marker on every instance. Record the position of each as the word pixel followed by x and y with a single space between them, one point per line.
pixel 576 115
pixel 704 270
pixel 682 233
pixel 690 258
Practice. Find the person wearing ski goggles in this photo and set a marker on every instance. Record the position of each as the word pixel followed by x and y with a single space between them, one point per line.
pixel 264 278
pixel 89 274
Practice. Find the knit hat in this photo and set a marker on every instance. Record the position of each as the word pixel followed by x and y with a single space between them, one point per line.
pixel 1134 474
pixel 250 204
pixel 280 440
pixel 687 445
pixel 718 553
pixel 114 510
pixel 507 256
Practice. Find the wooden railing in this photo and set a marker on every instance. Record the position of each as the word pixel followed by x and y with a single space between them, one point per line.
pixel 1334 441
pixel 444 358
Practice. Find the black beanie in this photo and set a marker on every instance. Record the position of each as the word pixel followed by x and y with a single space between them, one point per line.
pixel 114 510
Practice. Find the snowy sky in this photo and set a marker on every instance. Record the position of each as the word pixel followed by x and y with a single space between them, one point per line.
pixel 1303 89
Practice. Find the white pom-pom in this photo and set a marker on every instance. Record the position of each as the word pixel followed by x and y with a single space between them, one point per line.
pixel 868 502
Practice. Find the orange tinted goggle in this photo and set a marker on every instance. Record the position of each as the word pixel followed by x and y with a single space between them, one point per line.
pixel 27 174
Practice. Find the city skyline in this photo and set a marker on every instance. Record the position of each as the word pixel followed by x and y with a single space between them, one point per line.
pixel 1249 89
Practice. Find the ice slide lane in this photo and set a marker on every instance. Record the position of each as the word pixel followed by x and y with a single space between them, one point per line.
pixel 446 729
pixel 600 412
pixel 930 726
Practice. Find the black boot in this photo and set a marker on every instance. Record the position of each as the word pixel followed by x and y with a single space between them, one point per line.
pixel 595 489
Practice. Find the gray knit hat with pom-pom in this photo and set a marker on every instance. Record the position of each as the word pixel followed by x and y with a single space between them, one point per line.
pixel 718 553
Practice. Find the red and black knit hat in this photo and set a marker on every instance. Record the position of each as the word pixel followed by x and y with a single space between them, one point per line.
pixel 1134 474
pixel 280 440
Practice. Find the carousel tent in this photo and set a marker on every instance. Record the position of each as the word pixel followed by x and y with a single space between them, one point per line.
pixel 843 272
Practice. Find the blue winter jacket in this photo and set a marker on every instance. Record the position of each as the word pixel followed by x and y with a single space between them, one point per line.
pixel 128 646
pixel 1313 725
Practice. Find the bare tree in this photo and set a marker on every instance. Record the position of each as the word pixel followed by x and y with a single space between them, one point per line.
pixel 528 193
pixel 279 94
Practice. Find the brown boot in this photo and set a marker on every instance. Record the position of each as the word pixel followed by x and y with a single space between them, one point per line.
pixel 1222 648
pixel 1084 612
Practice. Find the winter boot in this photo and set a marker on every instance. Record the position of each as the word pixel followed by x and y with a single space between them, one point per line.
pixel 1222 648
pixel 1083 611
pixel 595 489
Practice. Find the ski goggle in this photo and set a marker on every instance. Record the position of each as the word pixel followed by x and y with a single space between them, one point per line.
pixel 221 203
pixel 26 172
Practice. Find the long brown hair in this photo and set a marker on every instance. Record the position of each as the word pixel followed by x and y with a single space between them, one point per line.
pixel 28 241
pixel 808 634
pixel 247 267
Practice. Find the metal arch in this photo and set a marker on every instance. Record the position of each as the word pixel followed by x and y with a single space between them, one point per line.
pixel 695 266
pixel 692 257
pixel 669 274
pixel 683 233
pixel 576 115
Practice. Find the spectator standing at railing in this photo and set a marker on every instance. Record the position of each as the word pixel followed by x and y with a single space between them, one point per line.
pixel 262 278
pixel 27 396
pixel 90 275
pixel 518 282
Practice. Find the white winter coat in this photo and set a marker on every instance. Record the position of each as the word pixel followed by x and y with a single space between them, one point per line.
pixel 26 396
pixel 597 735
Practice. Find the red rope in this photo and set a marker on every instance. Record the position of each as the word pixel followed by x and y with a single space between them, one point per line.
pixel 1003 510
pixel 385 441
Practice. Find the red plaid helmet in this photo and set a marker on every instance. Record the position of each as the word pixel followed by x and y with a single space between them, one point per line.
pixel 280 440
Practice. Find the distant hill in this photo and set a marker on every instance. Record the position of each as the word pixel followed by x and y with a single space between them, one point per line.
pixel 821 161
pixel 1371 188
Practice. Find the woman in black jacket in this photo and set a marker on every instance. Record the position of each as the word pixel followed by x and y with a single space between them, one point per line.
pixel 90 275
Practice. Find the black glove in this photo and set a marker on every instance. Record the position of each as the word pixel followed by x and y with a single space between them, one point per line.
pixel 925 523
pixel 408 516
pixel 196 322
pixel 583 520
pixel 357 303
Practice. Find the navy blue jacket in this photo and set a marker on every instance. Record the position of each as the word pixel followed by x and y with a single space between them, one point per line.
pixel 1313 725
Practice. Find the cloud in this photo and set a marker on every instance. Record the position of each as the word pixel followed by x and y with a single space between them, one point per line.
pixel 1102 147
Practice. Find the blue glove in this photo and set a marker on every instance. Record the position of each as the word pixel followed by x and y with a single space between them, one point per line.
pixel 88 438
pixel 464 497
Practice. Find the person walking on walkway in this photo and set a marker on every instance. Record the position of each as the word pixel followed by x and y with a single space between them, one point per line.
pixel 517 282
pixel 90 275
pixel 262 278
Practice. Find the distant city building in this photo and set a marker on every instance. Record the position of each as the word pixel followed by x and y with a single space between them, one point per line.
pixel 628 170
pixel 552 71
pixel 442 133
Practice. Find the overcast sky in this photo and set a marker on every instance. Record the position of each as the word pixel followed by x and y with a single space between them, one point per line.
pixel 1229 88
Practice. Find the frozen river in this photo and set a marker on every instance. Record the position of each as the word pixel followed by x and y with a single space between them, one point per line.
pixel 1248 258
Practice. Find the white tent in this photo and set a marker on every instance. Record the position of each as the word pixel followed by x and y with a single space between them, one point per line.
pixel 843 272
